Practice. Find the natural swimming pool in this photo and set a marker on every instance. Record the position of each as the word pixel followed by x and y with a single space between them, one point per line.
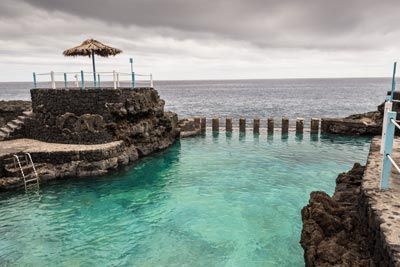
pixel 218 200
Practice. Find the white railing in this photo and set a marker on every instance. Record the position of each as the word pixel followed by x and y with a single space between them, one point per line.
pixel 89 79
pixel 389 126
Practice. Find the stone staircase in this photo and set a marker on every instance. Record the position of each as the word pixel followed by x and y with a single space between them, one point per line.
pixel 19 175
pixel 13 125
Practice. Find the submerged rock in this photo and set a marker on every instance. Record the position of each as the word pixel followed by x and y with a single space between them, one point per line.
pixel 333 233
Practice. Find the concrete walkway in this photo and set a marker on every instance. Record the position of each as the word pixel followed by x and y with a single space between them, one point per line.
pixel 34 146
pixel 383 207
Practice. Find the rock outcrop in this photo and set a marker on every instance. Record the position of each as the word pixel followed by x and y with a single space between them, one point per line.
pixel 189 127
pixel 134 117
pixel 369 123
pixel 333 233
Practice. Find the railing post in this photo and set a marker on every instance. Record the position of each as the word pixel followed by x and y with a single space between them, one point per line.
pixel 387 108
pixel 34 80
pixel 133 79
pixel 98 80
pixel 82 80
pixel 386 164
pixel 151 81
pixel 118 80
pixel 65 80
pixel 76 80
pixel 115 79
pixel 53 82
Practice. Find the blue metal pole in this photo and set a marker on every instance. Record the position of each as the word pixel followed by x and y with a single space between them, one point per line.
pixel 98 80
pixel 82 80
pixel 94 70
pixel 133 79
pixel 386 164
pixel 65 80
pixel 131 61
pixel 34 80
pixel 393 81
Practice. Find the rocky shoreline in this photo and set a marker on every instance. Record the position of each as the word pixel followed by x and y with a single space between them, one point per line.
pixel 333 231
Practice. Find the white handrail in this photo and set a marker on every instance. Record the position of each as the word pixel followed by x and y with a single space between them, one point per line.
pixel 393 163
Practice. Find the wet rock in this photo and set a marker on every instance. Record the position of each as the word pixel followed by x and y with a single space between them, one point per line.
pixel 369 123
pixel 333 233
pixel 189 127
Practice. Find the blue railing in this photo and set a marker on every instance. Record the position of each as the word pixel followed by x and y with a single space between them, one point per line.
pixel 79 79
pixel 389 126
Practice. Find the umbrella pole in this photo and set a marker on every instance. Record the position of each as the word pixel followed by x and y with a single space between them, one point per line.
pixel 94 69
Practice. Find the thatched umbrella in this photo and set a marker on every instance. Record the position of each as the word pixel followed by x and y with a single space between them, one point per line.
pixel 92 47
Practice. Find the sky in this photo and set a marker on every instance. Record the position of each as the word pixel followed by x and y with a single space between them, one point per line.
pixel 204 39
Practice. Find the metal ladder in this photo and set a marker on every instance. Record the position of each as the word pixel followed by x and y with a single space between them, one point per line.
pixel 26 181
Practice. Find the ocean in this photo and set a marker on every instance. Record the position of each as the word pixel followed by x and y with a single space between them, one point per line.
pixel 258 98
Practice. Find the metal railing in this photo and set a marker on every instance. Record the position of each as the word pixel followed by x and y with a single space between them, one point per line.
pixel 81 80
pixel 389 126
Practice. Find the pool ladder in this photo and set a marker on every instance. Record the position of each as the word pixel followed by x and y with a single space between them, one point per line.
pixel 27 178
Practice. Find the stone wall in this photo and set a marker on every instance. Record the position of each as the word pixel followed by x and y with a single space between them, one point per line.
pixel 94 116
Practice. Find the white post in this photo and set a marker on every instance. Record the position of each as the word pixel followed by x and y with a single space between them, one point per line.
pixel 151 80
pixel 76 80
pixel 388 108
pixel 53 82
pixel 118 79
pixel 115 79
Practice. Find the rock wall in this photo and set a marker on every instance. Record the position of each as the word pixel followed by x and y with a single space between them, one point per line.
pixel 369 123
pixel 333 232
pixel 9 110
pixel 358 225
pixel 95 116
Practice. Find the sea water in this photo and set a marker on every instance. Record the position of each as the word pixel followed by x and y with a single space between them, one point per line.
pixel 256 98
pixel 215 200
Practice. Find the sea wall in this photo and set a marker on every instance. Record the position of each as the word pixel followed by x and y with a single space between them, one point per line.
pixel 360 224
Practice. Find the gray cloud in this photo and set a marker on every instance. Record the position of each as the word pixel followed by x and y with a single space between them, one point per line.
pixel 203 39
pixel 268 23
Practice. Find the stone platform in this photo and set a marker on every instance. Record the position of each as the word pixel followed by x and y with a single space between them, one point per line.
pixel 56 161
pixel 34 146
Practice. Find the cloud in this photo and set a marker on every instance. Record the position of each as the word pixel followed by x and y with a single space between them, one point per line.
pixel 187 39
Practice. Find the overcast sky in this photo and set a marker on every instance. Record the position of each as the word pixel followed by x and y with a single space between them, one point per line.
pixel 204 39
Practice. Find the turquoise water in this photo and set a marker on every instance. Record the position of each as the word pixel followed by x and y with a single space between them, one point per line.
pixel 207 201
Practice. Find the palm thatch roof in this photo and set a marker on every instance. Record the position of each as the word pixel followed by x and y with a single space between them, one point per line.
pixel 91 46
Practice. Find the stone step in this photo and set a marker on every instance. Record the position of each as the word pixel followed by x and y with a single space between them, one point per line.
pixel 22 118
pixel 11 125
pixel 27 113
pixel 5 130
pixel 3 136
pixel 18 122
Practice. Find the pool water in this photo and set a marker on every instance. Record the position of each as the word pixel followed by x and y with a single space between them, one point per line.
pixel 217 200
